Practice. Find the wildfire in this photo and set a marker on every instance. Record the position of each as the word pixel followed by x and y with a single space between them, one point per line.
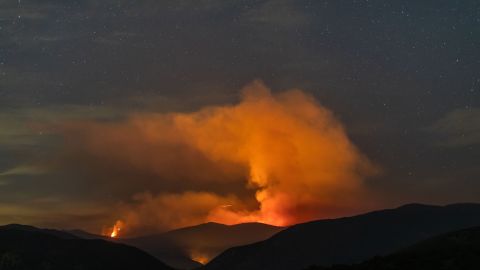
pixel 116 229
pixel 286 157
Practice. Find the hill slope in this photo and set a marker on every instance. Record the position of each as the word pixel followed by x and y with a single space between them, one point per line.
pixel 348 240
pixel 201 242
pixel 455 250
pixel 26 248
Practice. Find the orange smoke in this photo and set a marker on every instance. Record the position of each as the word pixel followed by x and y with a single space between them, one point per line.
pixel 289 150
pixel 172 210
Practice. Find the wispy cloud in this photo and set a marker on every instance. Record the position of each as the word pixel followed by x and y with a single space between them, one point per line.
pixel 28 126
pixel 460 127
pixel 23 170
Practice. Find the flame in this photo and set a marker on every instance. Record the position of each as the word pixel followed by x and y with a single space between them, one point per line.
pixel 114 232
pixel 117 227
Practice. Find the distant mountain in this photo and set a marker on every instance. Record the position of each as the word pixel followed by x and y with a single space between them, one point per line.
pixel 348 240
pixel 20 227
pixel 459 250
pixel 86 235
pixel 30 248
pixel 185 248
pixel 163 248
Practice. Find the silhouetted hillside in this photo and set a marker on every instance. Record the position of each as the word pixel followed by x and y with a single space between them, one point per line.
pixel 205 241
pixel 20 227
pixel 29 248
pixel 348 240
pixel 459 250
pixel 86 235
pixel 201 242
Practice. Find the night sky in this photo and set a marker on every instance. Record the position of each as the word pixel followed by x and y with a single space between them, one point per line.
pixel 403 77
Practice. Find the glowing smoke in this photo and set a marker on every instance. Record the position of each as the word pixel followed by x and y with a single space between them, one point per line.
pixel 293 157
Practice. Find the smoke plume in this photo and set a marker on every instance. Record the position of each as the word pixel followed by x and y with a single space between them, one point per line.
pixel 273 158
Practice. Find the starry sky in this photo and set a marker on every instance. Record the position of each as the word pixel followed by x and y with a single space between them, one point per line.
pixel 403 77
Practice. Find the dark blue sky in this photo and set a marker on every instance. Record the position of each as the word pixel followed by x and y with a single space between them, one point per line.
pixel 403 76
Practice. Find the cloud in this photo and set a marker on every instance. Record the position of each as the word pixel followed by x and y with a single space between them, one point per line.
pixel 278 159
pixel 52 212
pixel 458 128
pixel 23 170
pixel 30 126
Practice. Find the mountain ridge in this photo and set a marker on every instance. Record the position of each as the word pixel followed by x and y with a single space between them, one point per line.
pixel 453 250
pixel 27 247
pixel 201 242
pixel 349 239
pixel 206 240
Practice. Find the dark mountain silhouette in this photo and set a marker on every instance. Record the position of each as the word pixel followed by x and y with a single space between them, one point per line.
pixel 20 227
pixel 86 235
pixel 348 240
pixel 163 248
pixel 459 250
pixel 202 242
pixel 30 248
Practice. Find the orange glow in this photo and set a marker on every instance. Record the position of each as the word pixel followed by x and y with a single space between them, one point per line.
pixel 116 229
pixel 199 258
pixel 114 233
pixel 291 154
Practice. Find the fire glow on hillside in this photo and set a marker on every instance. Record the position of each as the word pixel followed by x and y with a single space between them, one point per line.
pixel 115 231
